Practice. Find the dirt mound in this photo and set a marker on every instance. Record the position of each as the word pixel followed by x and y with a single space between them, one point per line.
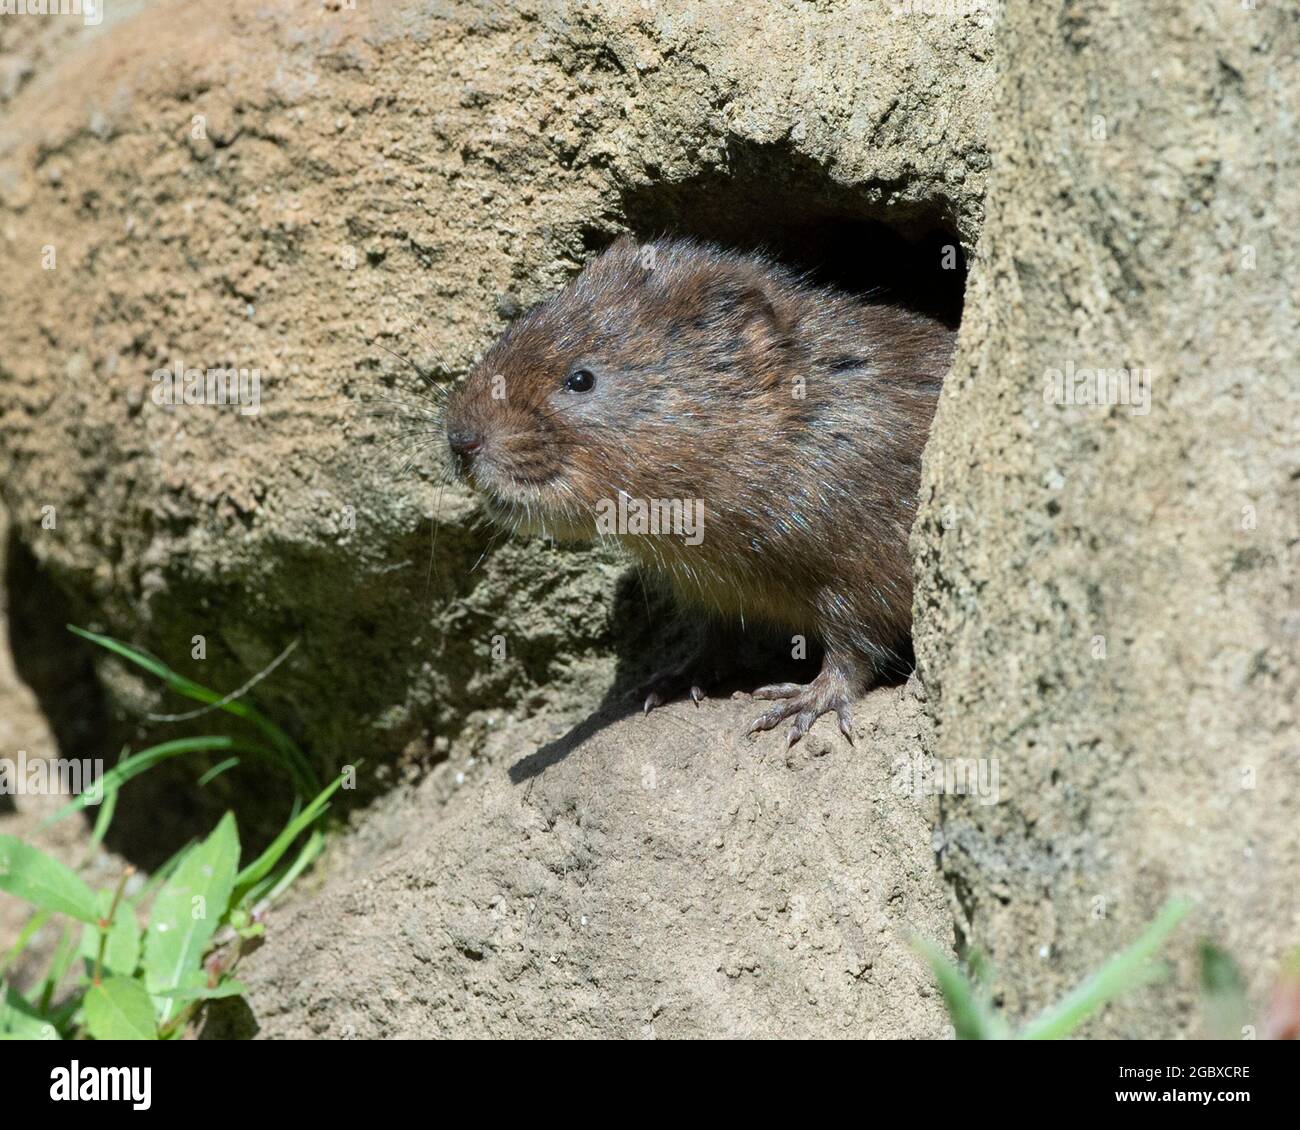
pixel 649 876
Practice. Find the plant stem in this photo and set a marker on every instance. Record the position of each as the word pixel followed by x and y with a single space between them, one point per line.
pixel 106 924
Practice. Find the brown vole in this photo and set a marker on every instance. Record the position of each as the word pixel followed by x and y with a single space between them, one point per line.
pixel 779 423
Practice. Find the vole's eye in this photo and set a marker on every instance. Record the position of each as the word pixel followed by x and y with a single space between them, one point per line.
pixel 580 380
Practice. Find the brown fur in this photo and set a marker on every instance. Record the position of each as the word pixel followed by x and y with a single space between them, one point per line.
pixel 698 359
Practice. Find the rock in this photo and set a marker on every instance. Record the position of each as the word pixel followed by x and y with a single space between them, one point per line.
pixel 1107 598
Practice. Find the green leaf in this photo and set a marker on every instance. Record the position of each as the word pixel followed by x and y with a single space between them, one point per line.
pixel 164 871
pixel 122 950
pixel 971 1016
pixel 44 882
pixel 205 993
pixel 20 1021
pixel 1128 969
pixel 120 1009
pixel 186 914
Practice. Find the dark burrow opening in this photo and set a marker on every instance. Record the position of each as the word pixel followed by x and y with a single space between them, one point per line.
pixel 849 237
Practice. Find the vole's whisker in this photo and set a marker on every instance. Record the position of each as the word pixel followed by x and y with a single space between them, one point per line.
pixel 425 377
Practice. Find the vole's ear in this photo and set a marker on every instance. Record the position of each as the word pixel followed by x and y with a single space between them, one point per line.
pixel 623 252
pixel 617 259
pixel 745 308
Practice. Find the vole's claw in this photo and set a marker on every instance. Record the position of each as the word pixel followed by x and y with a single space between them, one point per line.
pixel 805 704
pixel 799 727
pixel 685 679
pixel 774 717
pixel 846 721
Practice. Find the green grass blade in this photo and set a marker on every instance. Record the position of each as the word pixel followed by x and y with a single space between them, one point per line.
pixel 137 763
pixel 19 1020
pixel 25 935
pixel 971 1017
pixel 104 817
pixel 216 771
pixel 273 886
pixel 1223 994
pixel 265 863
pixel 300 769
pixel 1128 969
pixel 64 955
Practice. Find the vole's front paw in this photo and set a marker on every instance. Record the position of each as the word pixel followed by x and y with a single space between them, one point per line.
pixel 828 692
pixel 674 682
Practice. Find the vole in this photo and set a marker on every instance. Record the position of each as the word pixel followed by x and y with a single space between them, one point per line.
pixel 789 418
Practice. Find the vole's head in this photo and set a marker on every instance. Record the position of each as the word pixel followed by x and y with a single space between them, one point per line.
pixel 631 380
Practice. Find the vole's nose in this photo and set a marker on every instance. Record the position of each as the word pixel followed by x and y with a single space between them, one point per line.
pixel 465 444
